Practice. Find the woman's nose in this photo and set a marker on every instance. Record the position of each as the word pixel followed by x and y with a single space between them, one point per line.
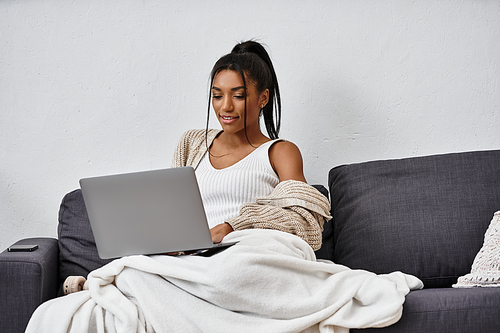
pixel 227 104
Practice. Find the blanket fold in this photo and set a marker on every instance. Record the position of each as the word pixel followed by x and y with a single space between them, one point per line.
pixel 269 282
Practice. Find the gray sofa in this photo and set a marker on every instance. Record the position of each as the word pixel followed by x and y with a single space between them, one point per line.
pixel 424 216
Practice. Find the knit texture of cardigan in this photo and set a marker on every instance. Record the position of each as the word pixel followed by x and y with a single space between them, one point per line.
pixel 293 206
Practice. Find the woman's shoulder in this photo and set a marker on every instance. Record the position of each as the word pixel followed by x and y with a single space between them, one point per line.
pixel 191 146
pixel 286 160
pixel 284 147
pixel 198 135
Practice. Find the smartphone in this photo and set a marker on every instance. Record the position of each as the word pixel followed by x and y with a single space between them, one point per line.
pixel 22 248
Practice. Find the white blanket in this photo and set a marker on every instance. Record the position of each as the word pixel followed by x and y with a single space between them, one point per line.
pixel 269 282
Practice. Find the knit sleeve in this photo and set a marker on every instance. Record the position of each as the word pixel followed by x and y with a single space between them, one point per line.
pixel 181 152
pixel 301 213
pixel 191 147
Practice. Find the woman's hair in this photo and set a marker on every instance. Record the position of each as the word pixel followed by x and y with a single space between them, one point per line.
pixel 252 62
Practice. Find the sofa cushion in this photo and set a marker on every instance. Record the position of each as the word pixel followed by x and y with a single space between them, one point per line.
pixel 447 310
pixel 77 249
pixel 424 216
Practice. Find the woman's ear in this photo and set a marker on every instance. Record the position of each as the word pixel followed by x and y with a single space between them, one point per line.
pixel 264 97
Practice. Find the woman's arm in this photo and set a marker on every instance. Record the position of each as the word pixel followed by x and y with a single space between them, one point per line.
pixel 293 207
pixel 286 161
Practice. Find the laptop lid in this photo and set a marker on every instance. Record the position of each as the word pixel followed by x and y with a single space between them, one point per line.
pixel 147 212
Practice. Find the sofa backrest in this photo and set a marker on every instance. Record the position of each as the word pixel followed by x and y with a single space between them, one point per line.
pixel 77 250
pixel 425 216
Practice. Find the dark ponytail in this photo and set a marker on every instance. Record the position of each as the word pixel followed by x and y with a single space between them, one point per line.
pixel 251 59
pixel 271 119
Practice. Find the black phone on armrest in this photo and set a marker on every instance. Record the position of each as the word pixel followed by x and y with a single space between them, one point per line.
pixel 22 248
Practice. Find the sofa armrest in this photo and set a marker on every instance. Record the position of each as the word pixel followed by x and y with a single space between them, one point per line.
pixel 27 279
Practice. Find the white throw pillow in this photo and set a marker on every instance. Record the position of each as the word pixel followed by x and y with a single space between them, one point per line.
pixel 485 271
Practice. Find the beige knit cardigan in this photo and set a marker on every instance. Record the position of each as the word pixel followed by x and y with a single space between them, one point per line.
pixel 293 206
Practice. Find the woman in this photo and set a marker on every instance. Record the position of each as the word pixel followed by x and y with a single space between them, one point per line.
pixel 247 180
pixel 238 164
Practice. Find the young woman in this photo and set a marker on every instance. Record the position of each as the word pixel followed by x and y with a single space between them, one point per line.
pixel 239 164
pixel 248 180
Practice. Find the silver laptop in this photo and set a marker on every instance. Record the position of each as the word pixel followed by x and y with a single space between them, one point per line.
pixel 149 212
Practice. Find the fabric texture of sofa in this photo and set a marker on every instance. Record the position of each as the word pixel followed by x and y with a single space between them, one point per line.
pixel 424 216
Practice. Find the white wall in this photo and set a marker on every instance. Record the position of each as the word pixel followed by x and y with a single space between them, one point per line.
pixel 96 87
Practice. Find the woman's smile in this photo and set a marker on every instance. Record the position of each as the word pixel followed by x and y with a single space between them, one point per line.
pixel 228 119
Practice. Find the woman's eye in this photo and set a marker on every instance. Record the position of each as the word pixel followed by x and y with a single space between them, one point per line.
pixel 216 97
pixel 240 96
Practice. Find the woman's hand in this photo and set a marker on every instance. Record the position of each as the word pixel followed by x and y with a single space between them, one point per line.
pixel 220 231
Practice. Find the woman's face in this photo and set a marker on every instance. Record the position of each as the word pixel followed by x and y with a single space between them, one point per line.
pixel 228 101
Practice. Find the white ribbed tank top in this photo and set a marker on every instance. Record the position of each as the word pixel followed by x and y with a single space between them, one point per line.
pixel 223 191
